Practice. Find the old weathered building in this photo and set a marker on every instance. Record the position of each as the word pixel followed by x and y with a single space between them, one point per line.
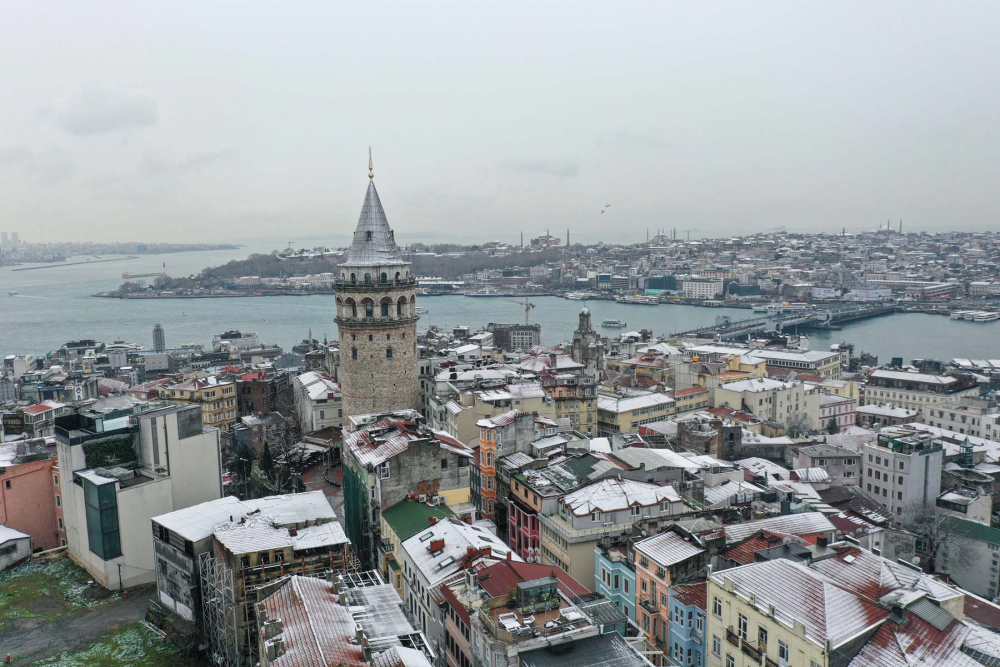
pixel 377 318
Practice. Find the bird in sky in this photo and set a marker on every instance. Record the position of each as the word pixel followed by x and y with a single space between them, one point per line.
pixel 607 205
pixel 602 211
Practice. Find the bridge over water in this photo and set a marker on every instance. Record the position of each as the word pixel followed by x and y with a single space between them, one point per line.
pixel 725 328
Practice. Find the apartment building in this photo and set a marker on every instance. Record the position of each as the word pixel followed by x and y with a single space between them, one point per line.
pixel 701 288
pixel 902 469
pixel 771 400
pixel 825 363
pixel 317 401
pixel 968 415
pixel 687 624
pixel 31 493
pixel 917 391
pixel 842 465
pixel 602 509
pixel 625 411
pixel 836 413
pixel 216 397
pixel 115 481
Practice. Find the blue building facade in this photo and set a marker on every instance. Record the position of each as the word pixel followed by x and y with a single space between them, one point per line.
pixel 614 573
pixel 687 625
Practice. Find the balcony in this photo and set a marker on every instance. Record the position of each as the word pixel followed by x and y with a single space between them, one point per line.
pixel 649 605
pixel 342 285
pixel 751 650
pixel 732 637
pixel 770 663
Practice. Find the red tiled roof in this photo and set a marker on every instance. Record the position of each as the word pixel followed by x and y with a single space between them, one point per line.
pixel 916 642
pixel 982 610
pixel 37 409
pixel 498 579
pixel 690 594
pixel 743 553
pixel 690 391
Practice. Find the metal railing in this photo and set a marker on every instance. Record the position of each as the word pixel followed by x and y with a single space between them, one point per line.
pixel 732 637
pixel 751 650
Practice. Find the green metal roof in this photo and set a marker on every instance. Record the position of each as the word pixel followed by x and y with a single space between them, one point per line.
pixel 407 518
pixel 973 530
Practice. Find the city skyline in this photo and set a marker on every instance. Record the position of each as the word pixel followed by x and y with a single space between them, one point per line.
pixel 715 120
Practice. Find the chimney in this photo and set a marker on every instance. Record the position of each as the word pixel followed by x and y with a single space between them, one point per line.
pixel 432 520
pixel 822 541
pixel 437 545
pixel 552 360
pixel 292 532
pixel 509 557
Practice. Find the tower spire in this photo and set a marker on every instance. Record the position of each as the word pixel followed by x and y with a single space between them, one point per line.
pixel 371 167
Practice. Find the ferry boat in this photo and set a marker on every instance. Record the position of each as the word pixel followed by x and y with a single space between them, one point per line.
pixel 613 324
pixel 129 276
pixel 421 310
pixel 577 296
pixel 975 315
pixel 488 291
pixel 984 316
pixel 639 300
pixel 12 293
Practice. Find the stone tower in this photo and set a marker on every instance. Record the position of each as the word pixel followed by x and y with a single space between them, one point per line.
pixel 376 318
pixel 588 348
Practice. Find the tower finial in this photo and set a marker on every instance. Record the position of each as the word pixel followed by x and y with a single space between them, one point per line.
pixel 371 167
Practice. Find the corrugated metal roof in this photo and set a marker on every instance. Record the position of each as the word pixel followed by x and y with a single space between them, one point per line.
pixel 668 548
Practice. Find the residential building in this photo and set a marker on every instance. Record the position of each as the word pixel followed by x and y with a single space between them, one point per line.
pixel 879 415
pixel 772 400
pixel 660 562
pixel 115 481
pixel 618 585
pixel 391 458
pixel 355 620
pixel 917 391
pixel 687 624
pixel 435 555
pixel 216 397
pixel 903 469
pixel 602 509
pixel 692 398
pixel 317 402
pixel 842 465
pixel 399 523
pixel 970 556
pixel 968 415
pixel 263 391
pixel 836 413
pixel 625 412
pixel 701 288
pixel 31 493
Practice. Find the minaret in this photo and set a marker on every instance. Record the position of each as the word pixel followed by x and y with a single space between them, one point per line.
pixel 567 237
pixel 376 317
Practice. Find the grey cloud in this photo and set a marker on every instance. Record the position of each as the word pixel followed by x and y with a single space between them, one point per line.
pixel 156 165
pixel 98 111
pixel 633 139
pixel 46 167
pixel 560 168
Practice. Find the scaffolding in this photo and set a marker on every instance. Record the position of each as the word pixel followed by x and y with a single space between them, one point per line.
pixel 218 599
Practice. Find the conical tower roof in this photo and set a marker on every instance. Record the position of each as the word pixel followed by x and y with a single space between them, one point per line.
pixel 373 243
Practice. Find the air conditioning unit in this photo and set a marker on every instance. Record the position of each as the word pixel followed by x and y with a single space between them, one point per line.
pixel 422 498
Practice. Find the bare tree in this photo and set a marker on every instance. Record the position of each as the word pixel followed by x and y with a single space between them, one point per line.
pixel 797 425
pixel 937 537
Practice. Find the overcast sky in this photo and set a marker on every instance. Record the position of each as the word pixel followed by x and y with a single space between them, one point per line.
pixel 188 121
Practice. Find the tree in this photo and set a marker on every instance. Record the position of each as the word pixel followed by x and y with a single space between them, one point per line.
pixel 831 426
pixel 266 462
pixel 936 532
pixel 797 425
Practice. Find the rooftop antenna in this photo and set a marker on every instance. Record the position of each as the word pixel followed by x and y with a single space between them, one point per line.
pixel 371 166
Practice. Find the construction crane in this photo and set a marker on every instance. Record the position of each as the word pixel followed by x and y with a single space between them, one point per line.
pixel 527 305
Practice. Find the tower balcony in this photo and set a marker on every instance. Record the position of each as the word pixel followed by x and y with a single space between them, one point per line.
pixel 375 322
pixel 342 285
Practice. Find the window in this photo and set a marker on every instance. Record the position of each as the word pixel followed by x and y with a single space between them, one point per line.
pixel 762 639
pixel 55 479
pixel 60 523
pixel 784 655
pixel 595 515
pixel 625 581
pixel 58 501
pixel 741 627
pixel 716 645
pixel 354 353
pixel 730 661
pixel 6 484
pixel 103 535
pixel 717 607
pixel 383 471
pixel 388 353
pixel 636 510
pixel 369 311
pixel 385 309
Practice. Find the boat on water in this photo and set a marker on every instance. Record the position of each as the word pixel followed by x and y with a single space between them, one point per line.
pixel 579 296
pixel 420 310
pixel 12 293
pixel 613 324
pixel 639 300
pixel 975 315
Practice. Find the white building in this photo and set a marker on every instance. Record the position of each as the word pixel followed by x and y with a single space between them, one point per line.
pixel 903 469
pixel 771 400
pixel 15 546
pixel 968 416
pixel 107 510
pixel 435 555
pixel 916 391
pixel 701 288
pixel 317 402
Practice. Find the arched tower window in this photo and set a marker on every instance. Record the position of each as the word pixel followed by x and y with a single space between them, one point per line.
pixel 368 236
pixel 354 279
pixel 369 309
pixel 399 306
pixel 385 309
pixel 388 353
pixel 397 276
pixel 368 279
pixel 383 278
pixel 353 306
